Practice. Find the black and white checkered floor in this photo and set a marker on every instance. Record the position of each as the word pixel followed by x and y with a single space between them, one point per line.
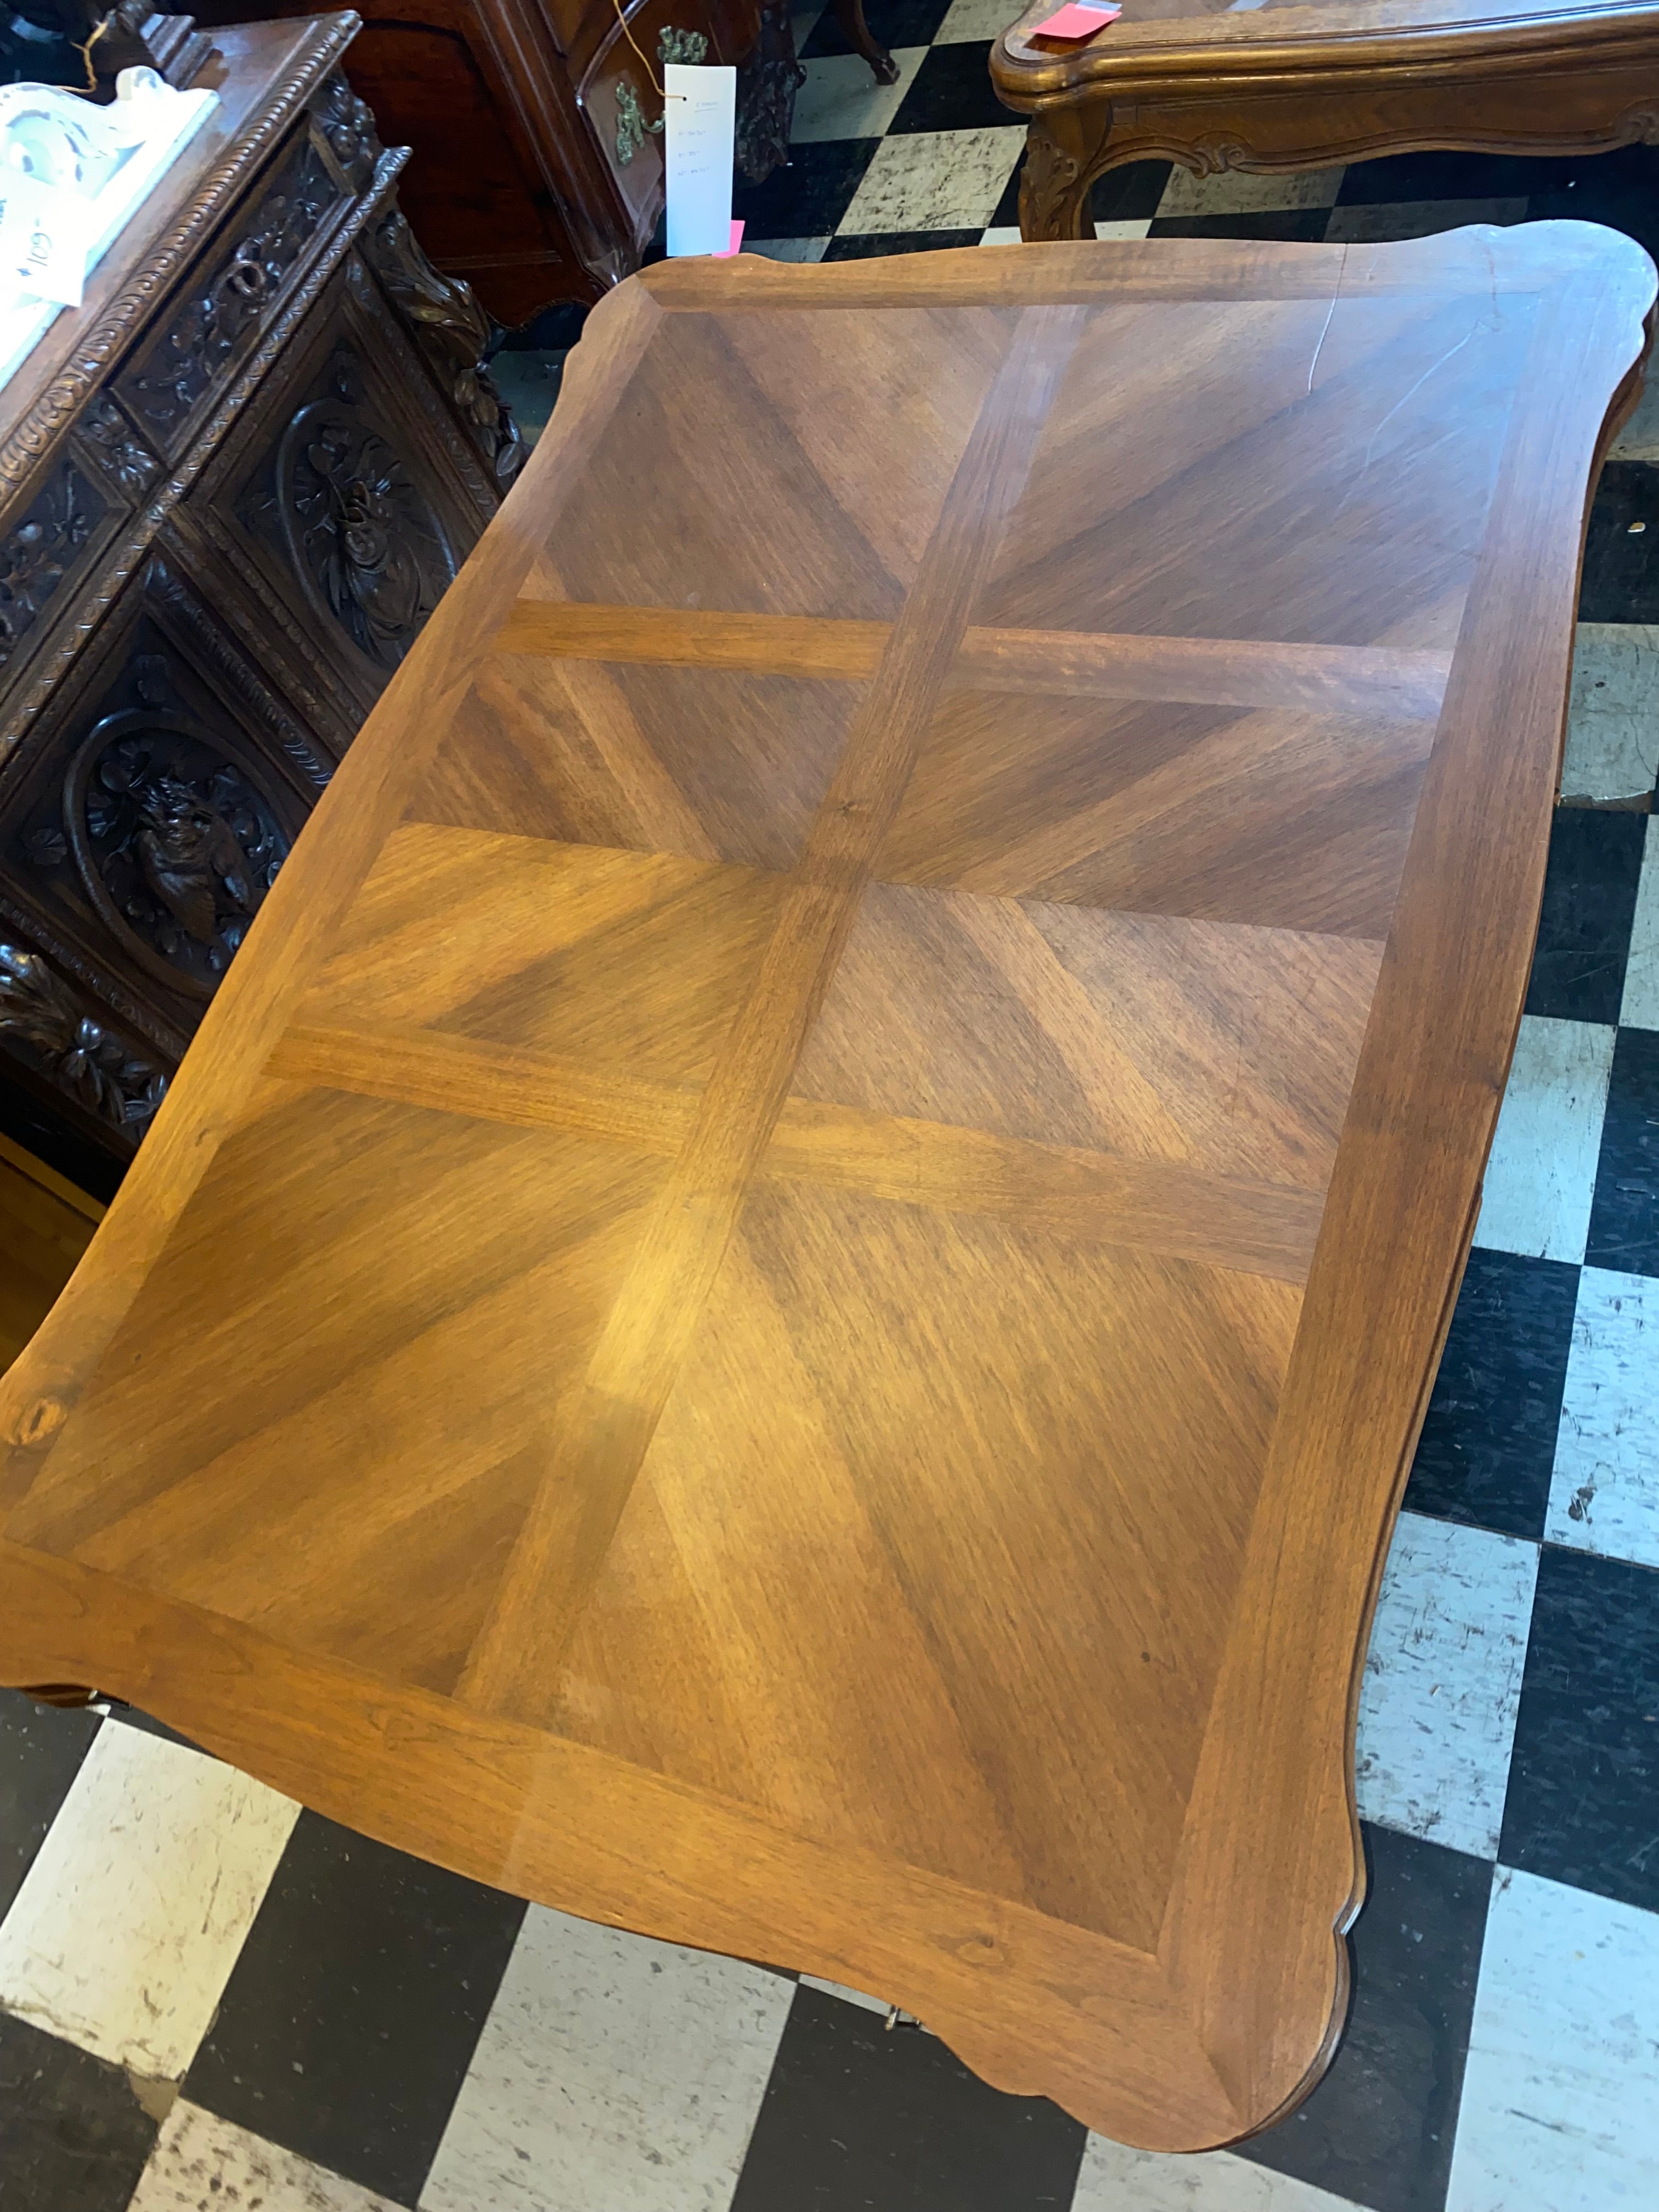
pixel 208 1998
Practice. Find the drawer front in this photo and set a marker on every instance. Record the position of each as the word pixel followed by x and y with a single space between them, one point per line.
pixel 344 501
pixel 201 339
pixel 624 105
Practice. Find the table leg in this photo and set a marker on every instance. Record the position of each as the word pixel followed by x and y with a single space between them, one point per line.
pixel 767 85
pixel 849 22
pixel 1062 159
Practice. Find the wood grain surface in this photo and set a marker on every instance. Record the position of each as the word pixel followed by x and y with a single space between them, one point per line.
pixel 1276 85
pixel 786 1295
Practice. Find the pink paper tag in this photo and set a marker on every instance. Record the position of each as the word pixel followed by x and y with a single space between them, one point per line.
pixel 1076 19
pixel 737 240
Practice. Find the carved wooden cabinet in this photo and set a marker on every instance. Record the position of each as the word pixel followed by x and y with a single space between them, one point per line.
pixel 538 174
pixel 235 485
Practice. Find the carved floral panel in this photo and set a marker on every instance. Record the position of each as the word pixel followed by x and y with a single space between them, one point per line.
pixel 198 340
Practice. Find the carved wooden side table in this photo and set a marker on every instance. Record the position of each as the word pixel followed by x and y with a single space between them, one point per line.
pixel 235 485
pixel 1258 85
pixel 786 1296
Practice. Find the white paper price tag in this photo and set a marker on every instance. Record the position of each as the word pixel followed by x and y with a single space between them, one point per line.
pixel 46 232
pixel 701 110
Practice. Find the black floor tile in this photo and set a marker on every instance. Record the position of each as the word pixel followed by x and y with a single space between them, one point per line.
pixel 870 246
pixel 1488 1441
pixel 1307 224
pixel 1378 2129
pixel 894 22
pixel 1130 193
pixel 1590 895
pixel 807 196
pixel 40 1754
pixel 952 91
pixel 857 2116
pixel 1127 194
pixel 1449 176
pixel 1623 1227
pixel 1584 1796
pixel 350 2019
pixel 1621 549
pixel 1007 210
pixel 73 2138
pixel 1620 189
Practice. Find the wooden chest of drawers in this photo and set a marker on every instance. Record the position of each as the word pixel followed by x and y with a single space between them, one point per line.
pixel 232 488
pixel 537 170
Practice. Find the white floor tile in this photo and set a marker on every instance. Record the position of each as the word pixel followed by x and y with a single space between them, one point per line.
pixel 201 2162
pixel 1560 2110
pixel 613 2072
pixel 934 180
pixel 860 1998
pixel 1640 1008
pixel 1612 720
pixel 975 19
pixel 1235 192
pixel 1604 1493
pixel 1008 235
pixel 127 1925
pixel 1541 1177
pixel 841 100
pixel 1443 1681
pixel 840 1990
pixel 789 249
pixel 1113 2179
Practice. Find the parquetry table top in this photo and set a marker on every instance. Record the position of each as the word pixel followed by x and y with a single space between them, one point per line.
pixel 786 1299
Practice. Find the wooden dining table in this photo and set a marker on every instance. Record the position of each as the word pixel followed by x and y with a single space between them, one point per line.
pixel 786 1296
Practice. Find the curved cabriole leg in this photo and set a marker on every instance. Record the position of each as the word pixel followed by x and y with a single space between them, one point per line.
pixel 849 22
pixel 1062 159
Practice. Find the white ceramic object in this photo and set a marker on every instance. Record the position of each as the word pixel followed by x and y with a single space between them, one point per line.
pixel 110 158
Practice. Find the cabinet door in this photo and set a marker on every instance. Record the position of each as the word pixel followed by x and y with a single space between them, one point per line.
pixel 619 95
pixel 502 191
pixel 340 507
pixel 144 817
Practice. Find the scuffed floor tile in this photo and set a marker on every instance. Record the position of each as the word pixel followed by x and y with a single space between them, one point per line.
pixel 1115 2178
pixel 1238 191
pixel 1613 722
pixel 1639 1009
pixel 201 2160
pixel 612 2071
pixel 130 1921
pixel 1443 1681
pixel 1560 2106
pixel 1541 1177
pixel 841 100
pixel 73 2136
pixel 929 2135
pixel 934 180
pixel 1604 1495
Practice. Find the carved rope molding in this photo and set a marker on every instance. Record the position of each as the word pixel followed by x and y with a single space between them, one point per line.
pixel 50 666
pixel 210 640
pixel 60 400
